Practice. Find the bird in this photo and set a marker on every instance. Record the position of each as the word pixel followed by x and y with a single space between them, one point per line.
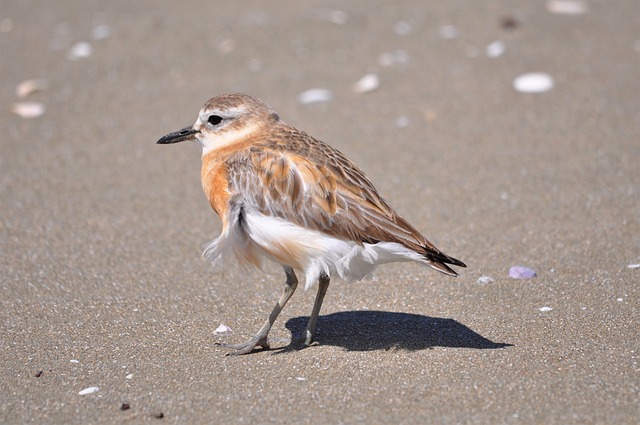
pixel 287 197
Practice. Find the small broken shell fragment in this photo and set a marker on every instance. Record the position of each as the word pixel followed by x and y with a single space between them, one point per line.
pixel 314 96
pixel 81 50
pixel 28 109
pixel 495 49
pixel 89 390
pixel 567 7
pixel 533 82
pixel 485 280
pixel 521 272
pixel 222 329
pixel 27 87
pixel 368 83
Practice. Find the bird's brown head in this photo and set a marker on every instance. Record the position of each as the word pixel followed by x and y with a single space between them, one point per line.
pixel 224 120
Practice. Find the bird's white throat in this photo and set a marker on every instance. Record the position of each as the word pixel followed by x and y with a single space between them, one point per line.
pixel 226 137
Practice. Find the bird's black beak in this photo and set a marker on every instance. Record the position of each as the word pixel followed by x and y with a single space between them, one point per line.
pixel 178 136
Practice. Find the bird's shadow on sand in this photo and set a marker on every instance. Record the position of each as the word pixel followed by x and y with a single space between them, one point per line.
pixel 384 330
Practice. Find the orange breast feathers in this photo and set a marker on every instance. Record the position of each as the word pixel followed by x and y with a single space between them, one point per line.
pixel 215 182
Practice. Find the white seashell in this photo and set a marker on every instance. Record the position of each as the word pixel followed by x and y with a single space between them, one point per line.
pixel 521 272
pixel 534 82
pixel 89 390
pixel 27 87
pixel 28 109
pixel 315 96
pixel 366 84
pixel 495 49
pixel 545 309
pixel 79 51
pixel 222 329
pixel 484 280
pixel 567 7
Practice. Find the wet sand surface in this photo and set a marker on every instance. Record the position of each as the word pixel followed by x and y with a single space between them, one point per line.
pixel 101 230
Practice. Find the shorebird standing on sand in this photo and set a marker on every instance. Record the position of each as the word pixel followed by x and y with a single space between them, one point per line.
pixel 284 196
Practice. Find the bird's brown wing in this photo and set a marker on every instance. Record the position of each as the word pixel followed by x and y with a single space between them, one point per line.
pixel 315 186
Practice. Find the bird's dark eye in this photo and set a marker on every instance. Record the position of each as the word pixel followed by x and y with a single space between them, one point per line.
pixel 214 119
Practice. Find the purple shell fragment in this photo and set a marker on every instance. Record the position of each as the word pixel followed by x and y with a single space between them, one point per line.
pixel 521 272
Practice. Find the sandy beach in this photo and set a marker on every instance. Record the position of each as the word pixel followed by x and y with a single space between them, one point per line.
pixel 506 131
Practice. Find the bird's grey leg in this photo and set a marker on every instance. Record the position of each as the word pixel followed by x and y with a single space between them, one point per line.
pixel 260 339
pixel 310 332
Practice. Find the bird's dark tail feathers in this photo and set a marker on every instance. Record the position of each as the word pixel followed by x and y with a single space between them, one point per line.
pixel 439 260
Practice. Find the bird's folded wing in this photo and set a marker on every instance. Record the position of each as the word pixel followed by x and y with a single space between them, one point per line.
pixel 321 190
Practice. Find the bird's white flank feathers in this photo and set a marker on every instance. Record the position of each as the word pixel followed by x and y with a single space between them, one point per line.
pixel 310 251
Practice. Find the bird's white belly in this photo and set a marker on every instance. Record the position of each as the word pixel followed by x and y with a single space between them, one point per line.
pixel 307 250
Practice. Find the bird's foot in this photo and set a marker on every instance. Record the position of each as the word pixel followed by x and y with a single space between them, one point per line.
pixel 309 338
pixel 303 341
pixel 246 347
